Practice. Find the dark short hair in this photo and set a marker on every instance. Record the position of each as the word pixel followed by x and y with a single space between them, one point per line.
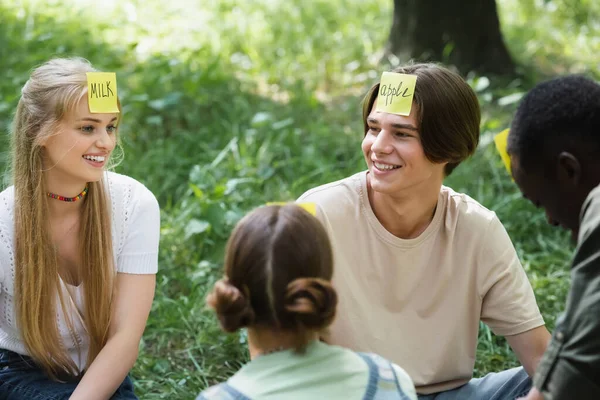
pixel 448 113
pixel 565 109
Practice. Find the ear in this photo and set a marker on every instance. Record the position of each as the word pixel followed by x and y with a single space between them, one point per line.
pixel 568 169
pixel 44 141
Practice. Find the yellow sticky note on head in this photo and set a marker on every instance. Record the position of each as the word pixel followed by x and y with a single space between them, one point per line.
pixel 310 207
pixel 102 92
pixel 501 141
pixel 396 92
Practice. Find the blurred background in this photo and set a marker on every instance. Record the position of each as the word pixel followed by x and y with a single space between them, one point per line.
pixel 230 104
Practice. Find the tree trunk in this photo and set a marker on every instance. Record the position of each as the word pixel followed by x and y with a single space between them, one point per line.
pixel 464 33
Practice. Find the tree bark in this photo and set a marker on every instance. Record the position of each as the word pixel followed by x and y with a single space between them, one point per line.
pixel 464 33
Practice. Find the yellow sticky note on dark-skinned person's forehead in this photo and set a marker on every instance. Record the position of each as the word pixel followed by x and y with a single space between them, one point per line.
pixel 310 207
pixel 102 92
pixel 396 92
pixel 501 141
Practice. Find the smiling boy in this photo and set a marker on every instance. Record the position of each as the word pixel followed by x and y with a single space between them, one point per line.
pixel 418 265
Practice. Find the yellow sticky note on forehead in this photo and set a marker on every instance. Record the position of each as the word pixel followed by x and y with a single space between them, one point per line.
pixel 310 207
pixel 501 141
pixel 396 92
pixel 102 92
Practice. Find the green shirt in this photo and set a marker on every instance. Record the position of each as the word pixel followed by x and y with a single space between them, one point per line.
pixel 570 368
pixel 322 372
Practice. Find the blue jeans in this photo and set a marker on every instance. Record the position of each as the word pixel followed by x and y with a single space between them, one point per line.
pixel 506 385
pixel 21 379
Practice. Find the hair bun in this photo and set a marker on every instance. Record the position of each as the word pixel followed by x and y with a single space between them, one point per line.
pixel 312 301
pixel 232 307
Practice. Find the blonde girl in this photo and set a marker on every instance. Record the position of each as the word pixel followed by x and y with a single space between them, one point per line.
pixel 78 248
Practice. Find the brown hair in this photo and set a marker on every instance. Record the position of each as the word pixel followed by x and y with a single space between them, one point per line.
pixel 278 265
pixel 448 113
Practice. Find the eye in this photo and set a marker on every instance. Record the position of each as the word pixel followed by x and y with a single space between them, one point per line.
pixel 401 134
pixel 374 129
pixel 111 129
pixel 87 128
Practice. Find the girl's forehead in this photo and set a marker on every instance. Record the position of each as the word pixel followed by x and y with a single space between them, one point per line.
pixel 81 111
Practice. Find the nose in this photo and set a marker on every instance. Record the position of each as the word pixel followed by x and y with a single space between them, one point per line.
pixel 106 141
pixel 382 143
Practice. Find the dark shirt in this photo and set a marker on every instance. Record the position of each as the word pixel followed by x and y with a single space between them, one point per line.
pixel 570 368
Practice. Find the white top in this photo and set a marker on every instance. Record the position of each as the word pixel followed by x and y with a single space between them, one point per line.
pixel 418 302
pixel 135 234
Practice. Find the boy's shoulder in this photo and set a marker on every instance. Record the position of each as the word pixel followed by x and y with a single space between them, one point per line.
pixel 331 192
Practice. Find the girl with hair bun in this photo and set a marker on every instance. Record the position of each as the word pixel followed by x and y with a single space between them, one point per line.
pixel 78 244
pixel 278 268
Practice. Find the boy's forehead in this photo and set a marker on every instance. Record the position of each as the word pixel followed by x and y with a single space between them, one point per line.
pixel 392 119
pixel 515 168
pixel 528 181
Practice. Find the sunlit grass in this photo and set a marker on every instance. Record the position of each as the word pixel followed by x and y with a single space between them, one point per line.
pixel 554 37
pixel 228 105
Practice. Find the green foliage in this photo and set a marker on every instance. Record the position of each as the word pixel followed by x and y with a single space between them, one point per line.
pixel 553 36
pixel 228 105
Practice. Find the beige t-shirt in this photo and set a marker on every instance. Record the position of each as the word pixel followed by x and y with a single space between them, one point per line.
pixel 418 302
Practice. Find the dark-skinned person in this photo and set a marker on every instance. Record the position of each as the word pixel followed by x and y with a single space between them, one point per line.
pixel 554 149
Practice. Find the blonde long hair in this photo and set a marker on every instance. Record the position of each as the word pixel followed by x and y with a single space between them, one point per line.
pixel 53 90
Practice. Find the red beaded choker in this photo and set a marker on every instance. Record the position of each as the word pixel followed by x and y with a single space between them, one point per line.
pixel 68 199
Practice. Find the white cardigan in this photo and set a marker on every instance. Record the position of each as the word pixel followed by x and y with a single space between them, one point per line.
pixel 135 235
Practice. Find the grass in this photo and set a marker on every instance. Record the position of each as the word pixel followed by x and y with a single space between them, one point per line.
pixel 228 105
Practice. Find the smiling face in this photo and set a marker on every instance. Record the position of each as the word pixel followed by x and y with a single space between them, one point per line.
pixel 394 154
pixel 79 151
